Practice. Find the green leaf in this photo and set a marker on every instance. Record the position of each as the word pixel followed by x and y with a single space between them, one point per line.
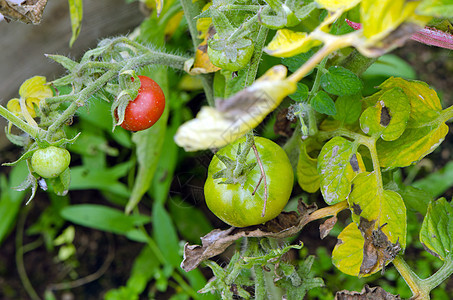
pixel 414 198
pixel 348 109
pixel 435 184
pixel 103 218
pixel 347 255
pixel 165 235
pixel 322 103
pixel 294 62
pixel 370 201
pixel 10 200
pixel 83 178
pixel 144 268
pixel 163 176
pixel 307 171
pixel 340 81
pixel 301 93
pixel 60 184
pixel 76 13
pixel 190 221
pixel 389 65
pixel 149 147
pixel 413 145
pixel 388 118
pixel 66 62
pixel 335 168
pixel 436 8
pixel 436 234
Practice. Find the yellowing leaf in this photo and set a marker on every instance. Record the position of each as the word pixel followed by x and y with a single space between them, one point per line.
pixel 76 13
pixel 388 118
pixel 425 104
pixel 379 18
pixel 334 5
pixel 173 24
pixel 307 172
pixel 235 116
pixel 202 64
pixel 412 146
pixel 287 43
pixel 347 255
pixel 370 201
pixel 337 166
pixel 204 24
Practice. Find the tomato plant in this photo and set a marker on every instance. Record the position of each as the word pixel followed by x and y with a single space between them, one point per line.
pixel 145 110
pixel 296 67
pixel 50 162
pixel 236 203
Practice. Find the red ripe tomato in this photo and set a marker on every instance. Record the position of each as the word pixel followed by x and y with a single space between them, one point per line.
pixel 145 110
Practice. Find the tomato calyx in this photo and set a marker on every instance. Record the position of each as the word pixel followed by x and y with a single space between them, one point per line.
pixel 236 171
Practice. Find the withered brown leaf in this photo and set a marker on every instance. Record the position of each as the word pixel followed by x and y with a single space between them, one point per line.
pixel 367 293
pixel 214 243
pixel 377 248
pixel 327 226
pixel 29 11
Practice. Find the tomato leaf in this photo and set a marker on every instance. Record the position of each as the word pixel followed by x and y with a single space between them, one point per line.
pixel 149 148
pixel 10 200
pixel 165 234
pixel 436 183
pixel 301 93
pixel 76 13
pixel 103 218
pixel 348 109
pixel 337 166
pixel 307 173
pixel 340 81
pixel 103 179
pixel 425 104
pixel 287 43
pixel 368 200
pixel 347 255
pixel 388 118
pixel 438 8
pixel 190 228
pixel 294 62
pixel 436 234
pixel 413 145
pixel 334 5
pixel 322 103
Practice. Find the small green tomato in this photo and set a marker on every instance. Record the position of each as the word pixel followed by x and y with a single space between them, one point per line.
pixel 50 162
pixel 219 58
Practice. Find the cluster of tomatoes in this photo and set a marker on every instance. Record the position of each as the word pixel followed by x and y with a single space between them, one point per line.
pixel 141 113
pixel 250 203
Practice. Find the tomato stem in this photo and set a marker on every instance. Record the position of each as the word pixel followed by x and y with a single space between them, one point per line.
pixel 257 53
pixel 18 122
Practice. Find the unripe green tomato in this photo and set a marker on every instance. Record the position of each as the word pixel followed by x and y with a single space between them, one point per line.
pixel 219 59
pixel 50 162
pixel 236 204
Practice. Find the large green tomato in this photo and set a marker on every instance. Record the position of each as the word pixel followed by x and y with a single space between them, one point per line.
pixel 50 162
pixel 234 204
